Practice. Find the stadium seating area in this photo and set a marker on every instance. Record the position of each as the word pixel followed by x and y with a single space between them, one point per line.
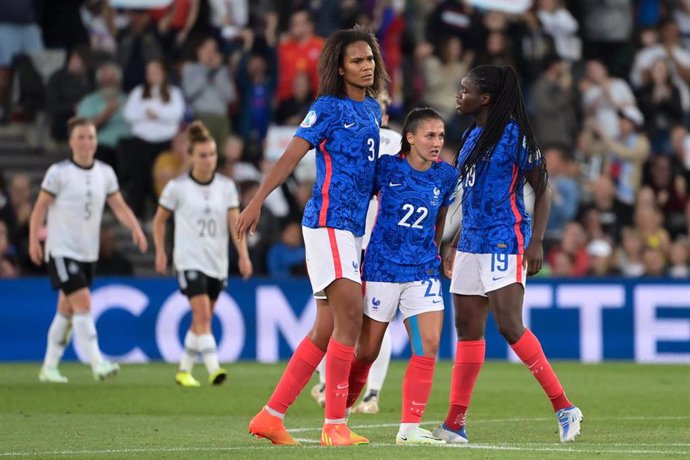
pixel 608 85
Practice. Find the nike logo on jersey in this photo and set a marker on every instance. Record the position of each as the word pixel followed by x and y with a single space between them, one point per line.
pixel 392 184
pixel 348 125
pixel 436 301
pixel 499 278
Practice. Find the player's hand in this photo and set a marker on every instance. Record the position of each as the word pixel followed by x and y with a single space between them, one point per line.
pixel 139 240
pixel 533 258
pixel 35 252
pixel 246 268
pixel 449 260
pixel 248 220
pixel 161 262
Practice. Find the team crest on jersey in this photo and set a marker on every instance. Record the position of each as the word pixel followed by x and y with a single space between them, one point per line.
pixel 437 196
pixel 73 268
pixel 309 120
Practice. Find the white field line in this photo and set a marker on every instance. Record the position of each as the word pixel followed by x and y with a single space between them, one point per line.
pixel 525 447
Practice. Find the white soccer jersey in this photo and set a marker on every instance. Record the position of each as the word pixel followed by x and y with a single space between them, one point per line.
pixel 388 145
pixel 74 218
pixel 201 222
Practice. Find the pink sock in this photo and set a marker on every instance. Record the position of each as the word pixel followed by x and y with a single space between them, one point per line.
pixel 469 357
pixel 416 388
pixel 338 362
pixel 359 372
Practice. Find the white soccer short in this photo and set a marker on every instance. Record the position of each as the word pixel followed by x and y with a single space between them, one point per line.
pixel 478 274
pixel 382 300
pixel 331 254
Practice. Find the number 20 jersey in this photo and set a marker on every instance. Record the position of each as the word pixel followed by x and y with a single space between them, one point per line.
pixel 345 134
pixel 201 222
pixel 402 246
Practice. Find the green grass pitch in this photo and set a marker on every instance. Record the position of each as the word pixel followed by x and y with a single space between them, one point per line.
pixel 631 411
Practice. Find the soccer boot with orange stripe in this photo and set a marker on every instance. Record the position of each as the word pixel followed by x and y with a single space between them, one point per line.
pixel 338 434
pixel 265 425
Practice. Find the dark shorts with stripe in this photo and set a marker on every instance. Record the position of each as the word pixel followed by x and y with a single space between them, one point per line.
pixel 69 275
pixel 194 282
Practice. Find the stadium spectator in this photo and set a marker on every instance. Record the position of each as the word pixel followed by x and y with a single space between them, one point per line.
pixel 232 164
pixel 654 262
pixel 256 81
pixel 629 254
pixel 104 108
pixel 351 73
pixel 553 104
pixel 660 100
pixel 443 71
pixel 600 259
pixel 648 223
pixel 137 44
pixel 62 26
pixel 99 19
pixel 7 214
pixel 175 24
pixel 71 248
pixel 298 52
pixel 292 110
pixel 8 262
pixel 670 191
pixel 286 257
pixel 19 34
pixel 455 18
pixel 66 88
pixel 209 89
pixel 560 24
pixel 573 243
pixel 621 156
pixel 170 163
pixel 154 111
pixel 604 96
pixel 498 246
pixel 607 29
pixel 205 208
pixel 678 258
pixel 565 191
pixel 612 213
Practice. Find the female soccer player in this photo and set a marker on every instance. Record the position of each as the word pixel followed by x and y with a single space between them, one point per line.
pixel 495 246
pixel 343 125
pixel 73 194
pixel 206 207
pixel 401 264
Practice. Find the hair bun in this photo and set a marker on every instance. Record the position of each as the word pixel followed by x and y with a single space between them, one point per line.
pixel 197 131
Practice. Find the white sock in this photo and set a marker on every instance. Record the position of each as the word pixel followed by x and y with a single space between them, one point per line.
pixel 407 428
pixel 85 329
pixel 190 352
pixel 274 412
pixel 378 371
pixel 321 369
pixel 209 352
pixel 58 337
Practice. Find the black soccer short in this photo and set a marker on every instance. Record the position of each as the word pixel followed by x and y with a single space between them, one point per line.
pixel 69 275
pixel 194 282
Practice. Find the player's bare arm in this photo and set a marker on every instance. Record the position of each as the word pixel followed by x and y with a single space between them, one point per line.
pixel 159 221
pixel 244 263
pixel 534 255
pixel 127 218
pixel 36 221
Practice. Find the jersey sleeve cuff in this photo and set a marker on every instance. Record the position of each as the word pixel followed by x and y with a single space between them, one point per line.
pixel 112 193
pixel 49 192
pixel 165 207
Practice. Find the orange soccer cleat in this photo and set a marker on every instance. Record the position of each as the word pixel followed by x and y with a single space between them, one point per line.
pixel 338 434
pixel 265 425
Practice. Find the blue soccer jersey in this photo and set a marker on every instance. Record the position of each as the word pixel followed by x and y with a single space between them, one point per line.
pixel 494 220
pixel 402 246
pixel 345 134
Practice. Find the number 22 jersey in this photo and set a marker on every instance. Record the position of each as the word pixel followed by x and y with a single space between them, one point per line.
pixel 402 247
pixel 345 134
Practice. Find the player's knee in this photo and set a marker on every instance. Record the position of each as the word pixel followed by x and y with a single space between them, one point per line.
pixel 510 330
pixel 430 346
pixel 366 354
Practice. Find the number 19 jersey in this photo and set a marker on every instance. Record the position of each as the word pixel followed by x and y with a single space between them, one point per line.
pixel 402 246
pixel 345 134
pixel 201 222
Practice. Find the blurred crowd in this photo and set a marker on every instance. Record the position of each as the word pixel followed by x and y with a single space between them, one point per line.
pixel 607 82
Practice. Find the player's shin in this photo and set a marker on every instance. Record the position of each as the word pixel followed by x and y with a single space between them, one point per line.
pixel 58 337
pixel 469 357
pixel 359 372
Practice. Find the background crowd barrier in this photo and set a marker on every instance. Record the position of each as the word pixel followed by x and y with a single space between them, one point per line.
pixel 140 320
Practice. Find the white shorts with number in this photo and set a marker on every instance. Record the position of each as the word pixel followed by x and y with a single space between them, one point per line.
pixel 382 300
pixel 478 274
pixel 331 254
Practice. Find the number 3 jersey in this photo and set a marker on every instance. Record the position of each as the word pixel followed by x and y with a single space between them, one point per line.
pixel 494 220
pixel 402 246
pixel 74 217
pixel 201 222
pixel 345 134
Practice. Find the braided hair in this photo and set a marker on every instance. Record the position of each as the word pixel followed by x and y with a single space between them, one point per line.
pixel 501 83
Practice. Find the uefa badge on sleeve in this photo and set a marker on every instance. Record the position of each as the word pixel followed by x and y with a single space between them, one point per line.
pixel 309 120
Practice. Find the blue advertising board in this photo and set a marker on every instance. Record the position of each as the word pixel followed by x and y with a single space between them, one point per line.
pixel 140 319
